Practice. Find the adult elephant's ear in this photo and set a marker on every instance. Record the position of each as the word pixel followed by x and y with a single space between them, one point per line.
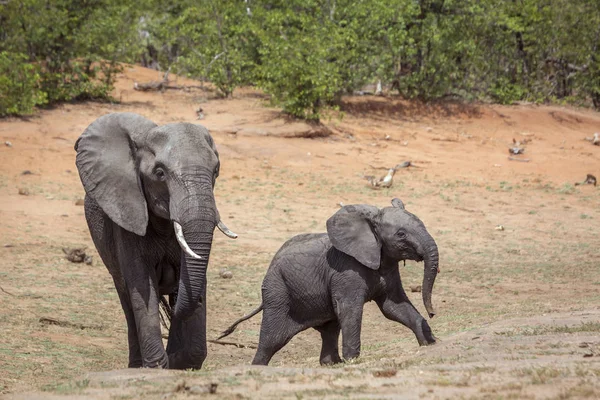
pixel 107 167
pixel 351 232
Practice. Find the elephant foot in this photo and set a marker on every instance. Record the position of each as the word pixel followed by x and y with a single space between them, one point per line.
pixel 161 363
pixel 135 364
pixel 351 359
pixel 330 360
pixel 184 360
pixel 426 337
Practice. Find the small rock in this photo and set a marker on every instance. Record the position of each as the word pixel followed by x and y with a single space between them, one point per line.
pixel 584 345
pixel 499 228
pixel 588 354
pixel 88 260
pixel 386 373
pixel 589 180
pixel 200 389
pixel 387 137
pixel 415 289
pixel 179 386
pixel 516 150
pixel 79 202
pixel 76 255
pixel 64 215
pixel 9 245
pixel 27 172
pixel 24 191
pixel 225 274
pixel 8 144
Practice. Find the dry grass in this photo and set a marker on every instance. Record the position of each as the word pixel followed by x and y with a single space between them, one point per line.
pixel 540 269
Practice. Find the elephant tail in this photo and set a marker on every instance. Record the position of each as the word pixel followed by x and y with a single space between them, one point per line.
pixel 230 330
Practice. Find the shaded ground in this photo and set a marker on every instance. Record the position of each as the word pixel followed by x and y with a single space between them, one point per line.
pixel 518 309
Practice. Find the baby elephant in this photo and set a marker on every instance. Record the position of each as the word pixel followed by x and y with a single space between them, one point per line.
pixel 322 281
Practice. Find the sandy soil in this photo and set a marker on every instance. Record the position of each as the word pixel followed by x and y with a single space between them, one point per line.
pixel 518 308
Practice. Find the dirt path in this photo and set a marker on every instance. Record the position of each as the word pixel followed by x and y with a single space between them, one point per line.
pixel 554 356
pixel 503 298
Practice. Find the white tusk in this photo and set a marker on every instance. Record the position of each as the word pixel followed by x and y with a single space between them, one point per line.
pixel 182 242
pixel 226 230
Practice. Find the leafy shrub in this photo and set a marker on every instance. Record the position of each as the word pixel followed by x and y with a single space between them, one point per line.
pixel 79 81
pixel 505 92
pixel 19 85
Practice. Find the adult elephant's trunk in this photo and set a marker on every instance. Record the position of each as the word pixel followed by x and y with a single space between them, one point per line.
pixel 194 216
pixel 431 259
pixel 197 236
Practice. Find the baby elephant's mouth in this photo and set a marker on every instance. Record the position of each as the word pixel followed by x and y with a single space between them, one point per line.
pixel 414 255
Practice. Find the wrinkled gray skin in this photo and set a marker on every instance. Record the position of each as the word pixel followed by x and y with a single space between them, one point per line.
pixel 140 179
pixel 323 280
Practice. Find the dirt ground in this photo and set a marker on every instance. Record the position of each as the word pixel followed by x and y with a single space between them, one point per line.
pixel 518 297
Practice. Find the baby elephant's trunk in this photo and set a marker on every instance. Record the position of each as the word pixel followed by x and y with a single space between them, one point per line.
pixel 230 330
pixel 431 270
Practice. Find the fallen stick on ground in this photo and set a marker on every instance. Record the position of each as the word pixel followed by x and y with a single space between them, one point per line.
pixel 67 324
pixel 238 345
pixel 8 293
pixel 162 85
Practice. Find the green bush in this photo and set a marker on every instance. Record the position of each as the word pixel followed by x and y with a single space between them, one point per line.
pixel 63 50
pixel 505 92
pixel 19 85
pixel 78 81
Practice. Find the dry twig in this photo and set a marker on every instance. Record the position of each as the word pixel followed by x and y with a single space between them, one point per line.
pixel 238 345
pixel 8 293
pixel 67 324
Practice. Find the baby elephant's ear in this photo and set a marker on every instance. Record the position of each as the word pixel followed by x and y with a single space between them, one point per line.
pixel 396 202
pixel 351 232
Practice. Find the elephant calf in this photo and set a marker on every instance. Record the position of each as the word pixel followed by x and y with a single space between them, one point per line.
pixel 322 281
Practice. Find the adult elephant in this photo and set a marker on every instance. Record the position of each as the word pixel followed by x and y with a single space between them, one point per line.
pixel 151 212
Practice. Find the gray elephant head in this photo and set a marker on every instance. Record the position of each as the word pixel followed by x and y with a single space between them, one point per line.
pixel 370 234
pixel 137 171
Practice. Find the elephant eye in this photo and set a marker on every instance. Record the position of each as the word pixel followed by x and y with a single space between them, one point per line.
pixel 401 234
pixel 159 173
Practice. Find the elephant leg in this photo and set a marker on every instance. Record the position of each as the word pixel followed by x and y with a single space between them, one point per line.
pixel 140 281
pixel 187 341
pixel 350 317
pixel 276 330
pixel 404 312
pixel 144 300
pixel 135 353
pixel 330 334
